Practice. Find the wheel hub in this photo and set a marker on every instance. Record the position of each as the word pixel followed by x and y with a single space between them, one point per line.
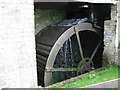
pixel 85 65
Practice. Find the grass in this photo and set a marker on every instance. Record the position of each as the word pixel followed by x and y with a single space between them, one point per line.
pixel 111 72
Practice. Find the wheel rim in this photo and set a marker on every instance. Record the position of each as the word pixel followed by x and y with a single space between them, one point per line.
pixel 58 44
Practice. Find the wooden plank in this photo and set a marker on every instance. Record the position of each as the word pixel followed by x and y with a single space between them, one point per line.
pixel 42 52
pixel 43 46
pixel 41 57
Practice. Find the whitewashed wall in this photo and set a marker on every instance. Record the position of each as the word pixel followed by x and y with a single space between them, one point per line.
pixel 118 31
pixel 119 22
pixel 17 44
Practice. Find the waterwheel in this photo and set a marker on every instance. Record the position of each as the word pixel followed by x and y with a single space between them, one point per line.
pixel 65 51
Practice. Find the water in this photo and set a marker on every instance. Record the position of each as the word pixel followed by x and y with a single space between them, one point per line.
pixel 71 22
pixel 67 57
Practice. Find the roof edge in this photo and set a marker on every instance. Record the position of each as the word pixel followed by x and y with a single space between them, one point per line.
pixel 89 1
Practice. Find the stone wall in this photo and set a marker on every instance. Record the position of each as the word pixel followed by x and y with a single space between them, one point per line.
pixel 110 38
pixel 17 44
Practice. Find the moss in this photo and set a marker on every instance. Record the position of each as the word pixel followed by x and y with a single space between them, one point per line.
pixel 44 18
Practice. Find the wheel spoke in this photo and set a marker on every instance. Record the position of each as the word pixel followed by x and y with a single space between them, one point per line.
pixel 95 50
pixel 60 69
pixel 79 43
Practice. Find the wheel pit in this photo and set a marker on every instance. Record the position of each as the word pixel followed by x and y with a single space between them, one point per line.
pixel 69 49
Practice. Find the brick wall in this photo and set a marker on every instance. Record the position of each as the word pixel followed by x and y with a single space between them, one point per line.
pixel 17 44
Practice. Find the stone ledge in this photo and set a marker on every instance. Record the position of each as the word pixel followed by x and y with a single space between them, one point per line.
pixel 108 84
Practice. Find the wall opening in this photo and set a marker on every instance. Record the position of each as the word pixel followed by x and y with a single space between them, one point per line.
pixel 58 43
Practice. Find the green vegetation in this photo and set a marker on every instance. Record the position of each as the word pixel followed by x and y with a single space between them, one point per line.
pixel 109 73
pixel 119 46
pixel 47 17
